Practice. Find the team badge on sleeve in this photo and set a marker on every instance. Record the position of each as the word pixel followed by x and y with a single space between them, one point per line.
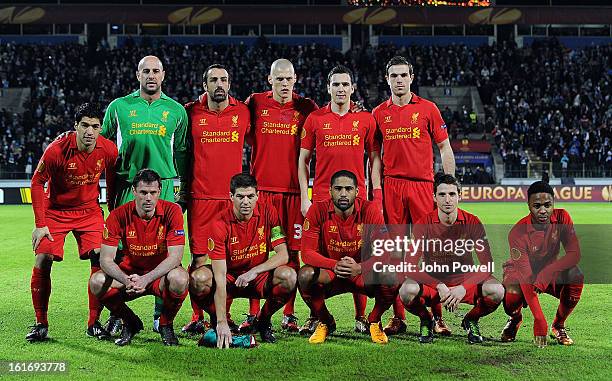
pixel 303 134
pixel 105 232
pixel 211 244
pixel 515 253
pixel 179 233
pixel 306 225
pixel 41 166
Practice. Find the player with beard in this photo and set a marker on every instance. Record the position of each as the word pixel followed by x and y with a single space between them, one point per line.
pixel 334 232
pixel 150 130
pixel 218 124
pixel 70 167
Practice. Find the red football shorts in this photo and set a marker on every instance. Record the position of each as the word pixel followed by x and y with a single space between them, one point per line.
pixel 406 201
pixel 200 213
pixel 472 293
pixel 288 206
pixel 86 226
pixel 151 289
pixel 339 285
pixel 256 289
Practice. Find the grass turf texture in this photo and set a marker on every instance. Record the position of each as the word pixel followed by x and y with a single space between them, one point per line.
pixel 346 355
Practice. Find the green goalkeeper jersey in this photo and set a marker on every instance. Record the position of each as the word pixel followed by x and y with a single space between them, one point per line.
pixel 148 135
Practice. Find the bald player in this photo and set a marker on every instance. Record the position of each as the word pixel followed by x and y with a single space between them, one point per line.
pixel 277 118
pixel 150 131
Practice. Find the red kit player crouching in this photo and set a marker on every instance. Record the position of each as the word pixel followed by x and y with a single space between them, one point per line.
pixel 331 250
pixel 153 239
pixel 448 274
pixel 239 243
pixel 535 267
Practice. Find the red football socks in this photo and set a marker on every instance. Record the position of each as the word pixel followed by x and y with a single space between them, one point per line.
pixel 570 295
pixel 40 286
pixel 172 304
pixel 483 307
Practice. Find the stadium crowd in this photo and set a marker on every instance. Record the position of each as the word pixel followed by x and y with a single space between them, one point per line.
pixel 543 100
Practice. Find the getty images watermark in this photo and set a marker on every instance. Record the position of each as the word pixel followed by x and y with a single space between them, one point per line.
pixel 441 260
pixel 468 252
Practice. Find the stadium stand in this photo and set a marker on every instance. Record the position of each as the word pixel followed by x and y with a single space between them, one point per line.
pixel 543 102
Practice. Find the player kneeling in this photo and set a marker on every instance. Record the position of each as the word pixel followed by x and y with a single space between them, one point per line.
pixel 535 267
pixel 333 235
pixel 239 245
pixel 447 274
pixel 152 235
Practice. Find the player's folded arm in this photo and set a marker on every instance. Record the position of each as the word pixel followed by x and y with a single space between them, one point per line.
pixel 108 265
pixel 172 261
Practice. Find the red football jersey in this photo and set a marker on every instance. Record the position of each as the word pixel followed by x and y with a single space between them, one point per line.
pixel 340 142
pixel 71 176
pixel 453 247
pixel 327 237
pixel 245 244
pixel 407 134
pixel 216 140
pixel 533 250
pixel 145 242
pixel 275 139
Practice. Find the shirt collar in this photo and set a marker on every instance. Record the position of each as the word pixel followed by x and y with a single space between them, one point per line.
pixel 203 99
pixel 530 225
pixel 413 100
pixel 461 217
pixel 136 94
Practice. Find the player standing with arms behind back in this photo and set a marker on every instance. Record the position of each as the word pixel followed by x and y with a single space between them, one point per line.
pixel 340 135
pixel 408 124
pixel 278 117
pixel 149 128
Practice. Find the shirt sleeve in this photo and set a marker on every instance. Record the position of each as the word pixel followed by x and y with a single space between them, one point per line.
pixel 250 135
pixel 308 137
pixel 438 126
pixel 311 234
pixel 112 230
pixel 277 236
pixel 180 144
pixel 478 234
pixel 175 233
pixel 519 258
pixel 109 124
pixel 371 143
pixel 43 171
pixel 110 172
pixel 572 251
pixel 217 237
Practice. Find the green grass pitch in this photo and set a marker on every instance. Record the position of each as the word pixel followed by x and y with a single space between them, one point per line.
pixel 346 355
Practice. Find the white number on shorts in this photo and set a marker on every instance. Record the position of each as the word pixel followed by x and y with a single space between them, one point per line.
pixel 298 231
